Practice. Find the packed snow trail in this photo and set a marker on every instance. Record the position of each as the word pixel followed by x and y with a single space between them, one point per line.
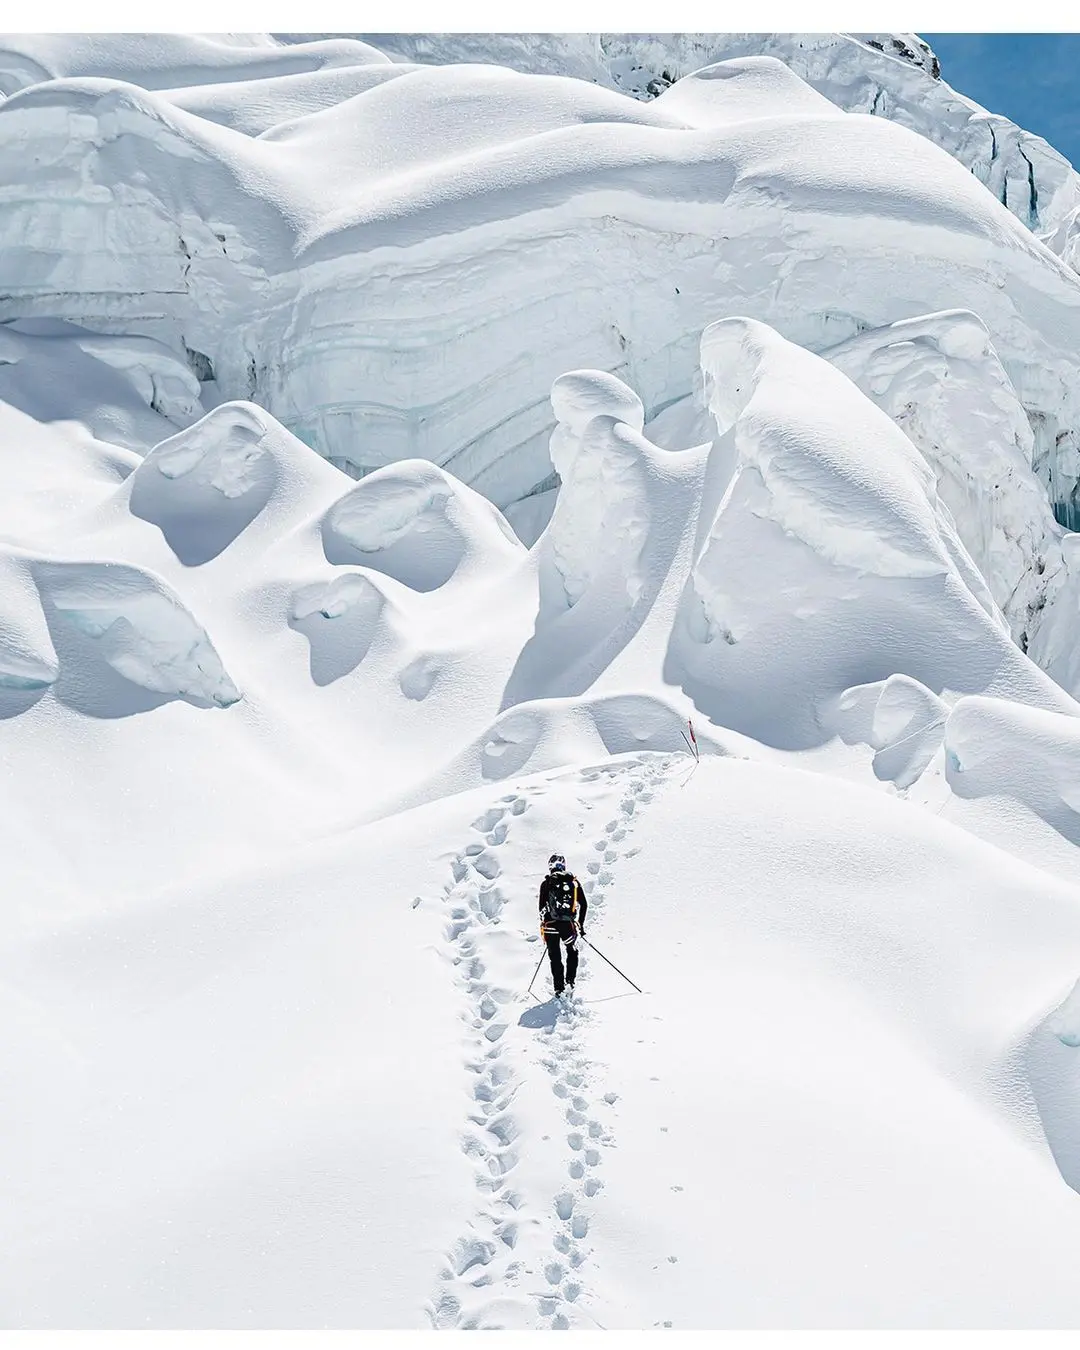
pixel 522 1261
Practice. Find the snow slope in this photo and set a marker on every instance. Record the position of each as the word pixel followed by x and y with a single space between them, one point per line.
pixel 780 400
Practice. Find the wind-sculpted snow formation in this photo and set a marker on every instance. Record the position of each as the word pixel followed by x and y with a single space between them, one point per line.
pixel 780 652
pixel 313 259
pixel 891 75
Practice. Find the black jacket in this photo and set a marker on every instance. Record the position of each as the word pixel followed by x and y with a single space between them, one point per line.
pixel 582 903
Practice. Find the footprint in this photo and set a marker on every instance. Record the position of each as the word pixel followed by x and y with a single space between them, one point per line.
pixel 504 1129
pixel 469 1252
pixel 491 903
pixel 554 1271
pixel 580 1226
pixel 489 819
pixel 447 1311
pixel 564 1205
pixel 487 864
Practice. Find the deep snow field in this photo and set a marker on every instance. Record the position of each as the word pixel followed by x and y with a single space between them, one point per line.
pixel 402 439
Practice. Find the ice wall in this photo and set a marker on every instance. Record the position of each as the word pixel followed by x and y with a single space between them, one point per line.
pixel 394 277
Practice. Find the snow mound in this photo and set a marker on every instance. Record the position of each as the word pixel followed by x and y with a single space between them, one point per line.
pixel 999 748
pixel 203 487
pixel 206 486
pixel 845 510
pixel 581 395
pixel 867 74
pixel 253 107
pixel 892 524
pixel 899 718
pixel 741 89
pixel 546 734
pixel 419 525
pixel 597 450
pixel 125 618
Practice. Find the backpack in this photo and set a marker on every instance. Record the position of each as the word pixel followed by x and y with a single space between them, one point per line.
pixel 561 903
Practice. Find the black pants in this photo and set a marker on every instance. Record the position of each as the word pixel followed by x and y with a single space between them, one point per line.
pixel 554 935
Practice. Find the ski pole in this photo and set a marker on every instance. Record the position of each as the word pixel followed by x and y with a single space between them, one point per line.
pixel 536 972
pixel 612 964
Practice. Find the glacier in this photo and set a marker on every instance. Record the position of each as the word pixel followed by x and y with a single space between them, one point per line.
pixel 670 208
pixel 422 453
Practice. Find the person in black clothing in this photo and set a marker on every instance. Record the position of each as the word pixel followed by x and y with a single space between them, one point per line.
pixel 563 907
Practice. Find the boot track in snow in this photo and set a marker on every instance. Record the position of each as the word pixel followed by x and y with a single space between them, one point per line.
pixel 486 1277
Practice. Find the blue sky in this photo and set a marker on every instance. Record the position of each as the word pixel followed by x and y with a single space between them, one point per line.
pixel 1031 78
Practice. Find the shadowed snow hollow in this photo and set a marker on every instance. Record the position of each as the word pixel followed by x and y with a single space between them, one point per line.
pixel 418 524
pixel 132 622
pixel 217 478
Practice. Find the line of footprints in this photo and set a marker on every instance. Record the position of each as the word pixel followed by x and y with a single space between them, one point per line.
pixel 481 1267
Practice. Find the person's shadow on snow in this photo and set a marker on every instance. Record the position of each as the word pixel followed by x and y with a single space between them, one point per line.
pixel 542 1015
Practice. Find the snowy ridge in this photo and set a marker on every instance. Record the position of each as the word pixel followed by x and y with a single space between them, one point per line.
pixel 892 75
pixel 287 296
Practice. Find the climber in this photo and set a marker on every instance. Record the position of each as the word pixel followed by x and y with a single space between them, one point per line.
pixel 562 919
